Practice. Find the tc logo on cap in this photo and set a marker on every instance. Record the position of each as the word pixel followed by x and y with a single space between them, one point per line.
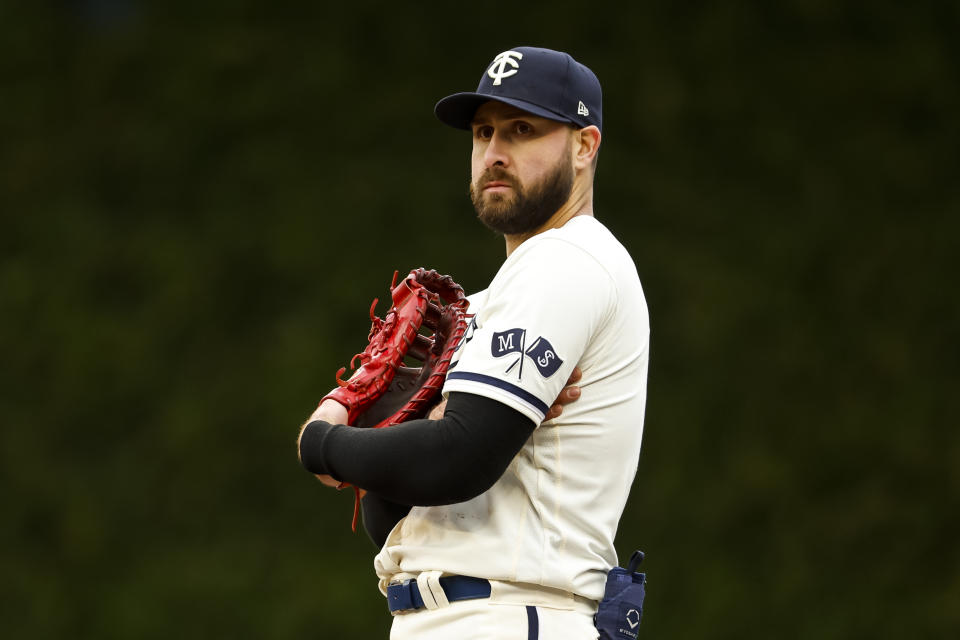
pixel 498 70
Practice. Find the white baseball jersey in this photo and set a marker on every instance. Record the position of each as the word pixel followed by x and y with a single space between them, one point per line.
pixel 566 297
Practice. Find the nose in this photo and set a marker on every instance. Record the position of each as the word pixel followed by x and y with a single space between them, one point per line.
pixel 496 152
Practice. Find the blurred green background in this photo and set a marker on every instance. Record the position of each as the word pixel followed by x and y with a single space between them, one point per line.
pixel 198 200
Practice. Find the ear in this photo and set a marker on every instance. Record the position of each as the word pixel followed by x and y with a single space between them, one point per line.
pixel 586 144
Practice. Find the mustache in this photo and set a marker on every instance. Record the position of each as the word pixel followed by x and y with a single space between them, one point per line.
pixel 495 174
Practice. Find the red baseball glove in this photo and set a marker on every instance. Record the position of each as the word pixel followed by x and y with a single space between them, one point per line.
pixel 426 323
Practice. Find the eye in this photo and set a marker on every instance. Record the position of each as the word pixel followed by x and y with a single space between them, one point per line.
pixel 523 128
pixel 483 132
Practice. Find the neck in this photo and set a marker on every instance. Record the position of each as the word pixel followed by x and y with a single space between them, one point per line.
pixel 580 203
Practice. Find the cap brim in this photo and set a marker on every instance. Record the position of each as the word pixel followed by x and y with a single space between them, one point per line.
pixel 458 110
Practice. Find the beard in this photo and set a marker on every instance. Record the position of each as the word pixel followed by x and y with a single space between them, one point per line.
pixel 522 210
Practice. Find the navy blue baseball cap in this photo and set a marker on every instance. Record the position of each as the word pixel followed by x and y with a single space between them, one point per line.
pixel 546 83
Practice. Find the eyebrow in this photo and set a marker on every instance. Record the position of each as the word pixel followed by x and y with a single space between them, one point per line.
pixel 513 113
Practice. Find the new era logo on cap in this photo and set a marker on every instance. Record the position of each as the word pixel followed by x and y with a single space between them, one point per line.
pixel 547 83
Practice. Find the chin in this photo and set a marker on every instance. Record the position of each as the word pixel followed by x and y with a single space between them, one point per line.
pixel 497 199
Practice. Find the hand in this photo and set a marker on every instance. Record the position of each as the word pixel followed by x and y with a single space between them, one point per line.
pixel 328 480
pixel 330 411
pixel 437 412
pixel 568 394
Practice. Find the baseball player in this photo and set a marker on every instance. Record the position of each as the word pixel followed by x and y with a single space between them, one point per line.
pixel 496 519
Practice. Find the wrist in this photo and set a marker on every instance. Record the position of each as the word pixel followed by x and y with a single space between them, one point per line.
pixel 310 446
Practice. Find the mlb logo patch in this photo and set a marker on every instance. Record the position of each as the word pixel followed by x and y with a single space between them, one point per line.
pixel 513 341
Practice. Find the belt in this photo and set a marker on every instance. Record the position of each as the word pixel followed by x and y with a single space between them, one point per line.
pixel 403 596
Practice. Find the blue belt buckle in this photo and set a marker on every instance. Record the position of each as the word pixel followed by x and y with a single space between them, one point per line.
pixel 400 595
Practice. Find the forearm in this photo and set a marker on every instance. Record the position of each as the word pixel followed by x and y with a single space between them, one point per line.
pixel 422 462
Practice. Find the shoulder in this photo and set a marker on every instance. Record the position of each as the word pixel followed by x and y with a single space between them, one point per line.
pixel 583 246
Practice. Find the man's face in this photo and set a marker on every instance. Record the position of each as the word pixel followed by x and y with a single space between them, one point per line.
pixel 521 168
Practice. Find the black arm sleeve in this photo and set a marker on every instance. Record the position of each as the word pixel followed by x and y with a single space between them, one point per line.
pixel 422 462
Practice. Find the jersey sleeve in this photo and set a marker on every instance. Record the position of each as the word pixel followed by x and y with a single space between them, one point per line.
pixel 538 318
